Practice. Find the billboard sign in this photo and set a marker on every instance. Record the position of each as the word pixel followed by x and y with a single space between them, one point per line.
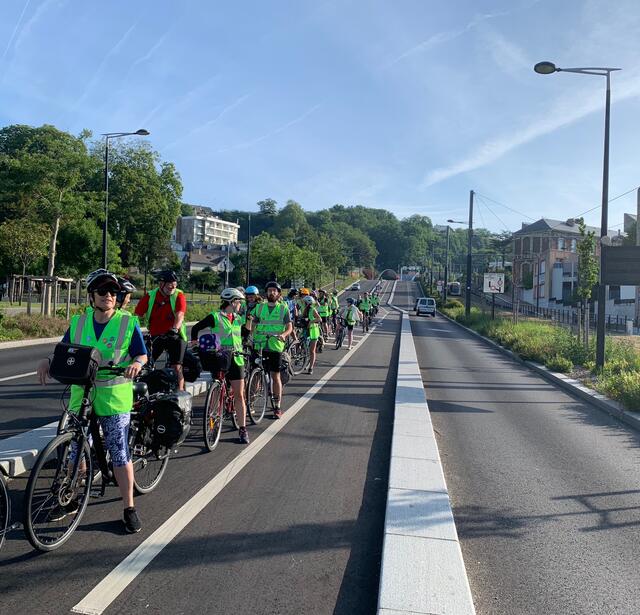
pixel 493 282
pixel 621 265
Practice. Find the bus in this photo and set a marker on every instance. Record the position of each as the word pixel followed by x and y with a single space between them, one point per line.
pixel 454 289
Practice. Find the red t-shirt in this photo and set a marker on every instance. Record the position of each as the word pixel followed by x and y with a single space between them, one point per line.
pixel 162 316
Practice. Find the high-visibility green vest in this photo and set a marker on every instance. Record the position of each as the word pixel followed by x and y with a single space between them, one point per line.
pixel 323 309
pixel 113 395
pixel 270 321
pixel 375 301
pixel 365 305
pixel 349 314
pixel 334 304
pixel 173 297
pixel 229 334
pixel 314 327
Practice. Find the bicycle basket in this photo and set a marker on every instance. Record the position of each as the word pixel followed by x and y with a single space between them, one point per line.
pixel 216 361
pixel 74 364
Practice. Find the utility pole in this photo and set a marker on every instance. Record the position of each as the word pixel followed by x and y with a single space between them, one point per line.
pixel 446 268
pixel 467 305
pixel 248 249
pixel 638 244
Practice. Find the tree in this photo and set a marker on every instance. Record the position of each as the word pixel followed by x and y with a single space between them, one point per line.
pixel 588 270
pixel 207 279
pixel 186 210
pixel 24 241
pixel 268 207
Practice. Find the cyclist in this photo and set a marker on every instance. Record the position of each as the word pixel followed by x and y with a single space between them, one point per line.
pixel 116 334
pixel 124 296
pixel 364 305
pixel 350 316
pixel 225 325
pixel 323 310
pixel 292 303
pixel 271 317
pixel 375 302
pixel 164 308
pixel 334 306
pixel 252 299
pixel 313 321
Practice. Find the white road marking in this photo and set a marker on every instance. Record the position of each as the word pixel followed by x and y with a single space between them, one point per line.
pixel 103 594
pixel 17 376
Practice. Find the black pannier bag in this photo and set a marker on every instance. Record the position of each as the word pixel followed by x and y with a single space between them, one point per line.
pixel 74 364
pixel 215 361
pixel 171 418
pixel 191 366
pixel 161 380
pixel 286 370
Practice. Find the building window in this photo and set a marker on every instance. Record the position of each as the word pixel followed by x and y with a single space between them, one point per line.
pixel 560 243
pixel 574 245
pixel 614 292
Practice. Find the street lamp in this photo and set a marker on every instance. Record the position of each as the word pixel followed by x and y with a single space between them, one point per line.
pixel 546 68
pixel 111 135
pixel 446 262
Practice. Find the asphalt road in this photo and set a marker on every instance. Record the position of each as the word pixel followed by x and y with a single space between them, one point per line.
pixel 545 489
pixel 298 530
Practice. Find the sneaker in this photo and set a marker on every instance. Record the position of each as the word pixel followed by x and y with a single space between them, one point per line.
pixel 348 347
pixel 58 513
pixel 131 522
pixel 244 436
pixel 277 412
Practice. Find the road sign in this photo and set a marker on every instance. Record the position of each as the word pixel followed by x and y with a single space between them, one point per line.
pixel 621 265
pixel 493 282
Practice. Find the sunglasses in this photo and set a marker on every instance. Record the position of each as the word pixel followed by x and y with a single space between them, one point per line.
pixel 103 292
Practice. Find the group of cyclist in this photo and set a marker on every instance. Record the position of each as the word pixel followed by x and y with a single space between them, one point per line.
pixel 244 319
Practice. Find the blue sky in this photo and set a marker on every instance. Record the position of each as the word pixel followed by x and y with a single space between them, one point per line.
pixel 403 104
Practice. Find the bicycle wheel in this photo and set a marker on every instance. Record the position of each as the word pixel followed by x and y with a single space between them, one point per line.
pixel 5 509
pixel 340 338
pixel 298 352
pixel 54 500
pixel 148 468
pixel 257 396
pixel 212 416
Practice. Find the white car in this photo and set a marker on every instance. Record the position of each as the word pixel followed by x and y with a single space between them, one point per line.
pixel 355 286
pixel 426 305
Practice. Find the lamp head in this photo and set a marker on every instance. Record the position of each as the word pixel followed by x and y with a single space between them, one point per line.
pixel 142 132
pixel 545 68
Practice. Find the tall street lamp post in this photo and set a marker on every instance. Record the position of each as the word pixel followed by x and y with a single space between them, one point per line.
pixel 111 135
pixel 547 68
pixel 446 264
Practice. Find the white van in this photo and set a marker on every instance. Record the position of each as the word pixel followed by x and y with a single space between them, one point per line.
pixel 426 305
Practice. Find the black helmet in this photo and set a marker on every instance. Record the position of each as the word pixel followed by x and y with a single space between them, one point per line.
pixel 101 277
pixel 273 284
pixel 166 276
pixel 126 286
pixel 293 292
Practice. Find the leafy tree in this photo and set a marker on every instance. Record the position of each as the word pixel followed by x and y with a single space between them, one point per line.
pixel 268 207
pixel 186 210
pixel 24 241
pixel 205 280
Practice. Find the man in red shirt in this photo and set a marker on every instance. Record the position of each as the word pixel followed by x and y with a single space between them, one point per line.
pixel 164 308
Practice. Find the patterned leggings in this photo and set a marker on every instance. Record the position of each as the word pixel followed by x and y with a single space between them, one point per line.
pixel 115 430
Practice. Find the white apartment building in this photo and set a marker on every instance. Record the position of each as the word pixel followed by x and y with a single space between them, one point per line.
pixel 204 228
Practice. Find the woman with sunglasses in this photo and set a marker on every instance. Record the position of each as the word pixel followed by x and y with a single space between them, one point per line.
pixel 116 334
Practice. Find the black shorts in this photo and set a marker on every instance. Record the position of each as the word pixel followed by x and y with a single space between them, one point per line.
pixel 236 372
pixel 271 361
pixel 325 319
pixel 349 327
pixel 175 348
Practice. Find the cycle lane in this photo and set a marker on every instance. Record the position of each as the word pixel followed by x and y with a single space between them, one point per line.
pixel 98 545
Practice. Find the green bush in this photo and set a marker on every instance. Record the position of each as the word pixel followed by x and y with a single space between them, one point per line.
pixel 624 387
pixel 22 326
pixel 559 364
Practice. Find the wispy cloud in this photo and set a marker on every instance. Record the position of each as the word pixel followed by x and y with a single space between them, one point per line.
pixel 97 75
pixel 508 56
pixel 566 111
pixel 209 123
pixel 15 30
pixel 273 133
pixel 25 31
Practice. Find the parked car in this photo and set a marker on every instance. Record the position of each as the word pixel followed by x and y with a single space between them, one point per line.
pixel 426 305
pixel 355 286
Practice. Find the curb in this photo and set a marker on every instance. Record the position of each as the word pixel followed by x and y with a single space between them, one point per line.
pixel 422 569
pixel 18 453
pixel 570 385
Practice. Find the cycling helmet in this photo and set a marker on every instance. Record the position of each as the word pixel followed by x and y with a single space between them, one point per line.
pixel 309 300
pixel 229 294
pixel 293 292
pixel 275 285
pixel 241 289
pixel 166 276
pixel 101 277
pixel 304 292
pixel 126 285
pixel 350 300
pixel 251 290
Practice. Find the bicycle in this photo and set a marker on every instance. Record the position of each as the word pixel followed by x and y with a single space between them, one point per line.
pixel 63 475
pixel 341 332
pixel 365 322
pixel 5 511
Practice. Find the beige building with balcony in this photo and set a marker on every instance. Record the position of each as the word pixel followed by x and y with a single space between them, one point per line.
pixel 204 228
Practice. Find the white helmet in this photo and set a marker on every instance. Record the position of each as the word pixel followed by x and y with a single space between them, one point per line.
pixel 229 294
pixel 309 300
pixel 100 277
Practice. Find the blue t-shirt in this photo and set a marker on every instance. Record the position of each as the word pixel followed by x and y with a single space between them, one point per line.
pixel 136 347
